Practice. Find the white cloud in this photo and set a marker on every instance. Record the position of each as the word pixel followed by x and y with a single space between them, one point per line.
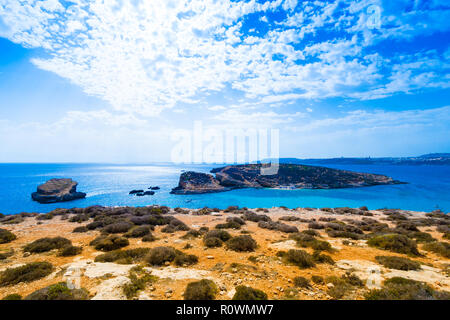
pixel 146 56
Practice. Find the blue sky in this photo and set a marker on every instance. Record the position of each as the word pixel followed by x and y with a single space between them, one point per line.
pixel 96 81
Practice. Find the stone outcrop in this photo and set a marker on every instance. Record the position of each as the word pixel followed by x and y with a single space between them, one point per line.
pixel 289 176
pixel 57 190
pixel 196 183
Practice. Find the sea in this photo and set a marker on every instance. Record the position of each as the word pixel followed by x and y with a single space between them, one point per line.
pixel 427 188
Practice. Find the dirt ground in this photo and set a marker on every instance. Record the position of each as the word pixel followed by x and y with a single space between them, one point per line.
pixel 227 268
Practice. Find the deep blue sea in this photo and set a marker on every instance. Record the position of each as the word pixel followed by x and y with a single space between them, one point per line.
pixel 428 188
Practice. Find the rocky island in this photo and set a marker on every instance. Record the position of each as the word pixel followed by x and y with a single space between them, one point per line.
pixel 57 190
pixel 290 176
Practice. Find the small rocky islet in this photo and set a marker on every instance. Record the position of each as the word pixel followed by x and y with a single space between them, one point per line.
pixel 57 190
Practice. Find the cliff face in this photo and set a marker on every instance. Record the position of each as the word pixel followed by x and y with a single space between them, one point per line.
pixel 289 176
pixel 57 190
pixel 195 183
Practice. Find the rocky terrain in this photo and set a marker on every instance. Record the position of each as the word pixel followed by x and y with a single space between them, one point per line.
pixel 57 190
pixel 291 176
pixel 278 253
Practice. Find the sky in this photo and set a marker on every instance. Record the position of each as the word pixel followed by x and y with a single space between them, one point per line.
pixel 112 81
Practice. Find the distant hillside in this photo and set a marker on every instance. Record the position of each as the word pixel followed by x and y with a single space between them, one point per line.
pixel 428 159
pixel 436 156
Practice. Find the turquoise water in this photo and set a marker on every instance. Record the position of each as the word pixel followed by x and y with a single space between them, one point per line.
pixel 428 188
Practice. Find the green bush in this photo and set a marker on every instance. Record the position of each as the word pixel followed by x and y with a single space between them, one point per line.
pixel 124 256
pixel 192 234
pixel 317 279
pixel 148 238
pixel 13 296
pixel 343 285
pixel 398 288
pixel 118 227
pixel 70 251
pixel 201 290
pixel 249 293
pixel 212 242
pixel 398 263
pixel 421 237
pixel 307 240
pixel 241 243
pixel 395 243
pixel 136 284
pixel 160 255
pixel 47 244
pixel 185 259
pixel 80 229
pixel 26 273
pixel 109 243
pixel 299 258
pixel 228 225
pixel 301 282
pixel 6 236
pixel 440 248
pixel 322 258
pixel 221 234
pixel 58 291
pixel 46 216
pixel 138 232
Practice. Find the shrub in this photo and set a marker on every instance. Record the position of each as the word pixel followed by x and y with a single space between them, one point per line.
pixel 228 225
pixel 315 225
pixel 136 284
pixel 58 291
pixel 249 293
pixel 241 243
pixel 191 234
pixel 421 236
pixel 341 286
pixel 398 263
pixel 299 258
pixel 46 244
pixel 148 238
pixel 70 251
pixel 398 288
pixel 46 216
pixel 212 242
pixel 353 279
pixel 251 216
pixel 306 240
pixel 301 282
pixel 26 273
pixel 185 259
pixel 138 232
pixel 118 227
pixel 13 296
pixel 109 243
pixel 395 243
pixel 6 236
pixel 201 290
pixel 80 229
pixel 440 248
pixel 311 232
pixel 160 255
pixel 221 234
pixel 168 229
pixel 317 279
pixel 322 258
pixel 124 256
